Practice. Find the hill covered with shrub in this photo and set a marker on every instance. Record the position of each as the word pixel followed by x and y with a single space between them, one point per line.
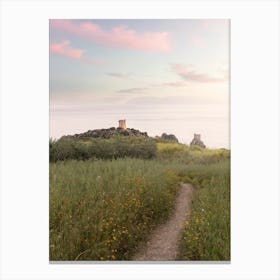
pixel 108 133
pixel 110 143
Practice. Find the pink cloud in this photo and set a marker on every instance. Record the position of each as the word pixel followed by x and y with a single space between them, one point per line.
pixel 65 49
pixel 119 36
pixel 189 74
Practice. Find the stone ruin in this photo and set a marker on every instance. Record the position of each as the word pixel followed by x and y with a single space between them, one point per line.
pixel 197 141
pixel 122 124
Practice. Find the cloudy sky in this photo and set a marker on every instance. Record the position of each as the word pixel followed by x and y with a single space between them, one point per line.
pixel 167 76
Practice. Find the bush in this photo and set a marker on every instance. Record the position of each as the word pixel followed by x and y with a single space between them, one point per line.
pixel 172 151
pixel 190 154
pixel 62 149
pixel 70 148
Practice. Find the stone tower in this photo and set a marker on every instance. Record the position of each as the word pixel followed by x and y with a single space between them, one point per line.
pixel 196 137
pixel 122 124
pixel 197 141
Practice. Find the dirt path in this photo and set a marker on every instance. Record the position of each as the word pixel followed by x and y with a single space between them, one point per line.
pixel 163 244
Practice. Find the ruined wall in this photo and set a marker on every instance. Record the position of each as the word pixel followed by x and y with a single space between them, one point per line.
pixel 122 124
pixel 197 141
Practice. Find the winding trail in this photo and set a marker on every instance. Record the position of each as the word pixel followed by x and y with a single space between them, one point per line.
pixel 163 244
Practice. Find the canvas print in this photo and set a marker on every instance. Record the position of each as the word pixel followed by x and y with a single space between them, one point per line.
pixel 139 142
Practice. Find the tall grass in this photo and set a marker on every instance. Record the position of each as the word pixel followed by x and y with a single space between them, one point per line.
pixel 100 210
pixel 206 233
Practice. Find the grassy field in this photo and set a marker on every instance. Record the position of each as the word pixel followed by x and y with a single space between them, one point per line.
pixel 206 234
pixel 102 209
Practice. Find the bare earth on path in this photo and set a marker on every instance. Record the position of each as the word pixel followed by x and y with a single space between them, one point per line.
pixel 163 244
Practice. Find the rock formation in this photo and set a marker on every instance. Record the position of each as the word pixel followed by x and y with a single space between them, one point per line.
pixel 169 138
pixel 110 133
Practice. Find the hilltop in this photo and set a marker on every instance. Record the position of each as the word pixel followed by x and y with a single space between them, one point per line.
pixel 107 144
pixel 113 132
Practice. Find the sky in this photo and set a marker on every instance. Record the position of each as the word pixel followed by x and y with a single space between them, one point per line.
pixel 162 76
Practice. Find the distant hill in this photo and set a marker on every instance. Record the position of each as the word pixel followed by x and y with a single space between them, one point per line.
pixel 113 132
pixel 107 133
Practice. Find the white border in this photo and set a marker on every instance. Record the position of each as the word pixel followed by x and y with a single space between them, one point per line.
pixel 254 138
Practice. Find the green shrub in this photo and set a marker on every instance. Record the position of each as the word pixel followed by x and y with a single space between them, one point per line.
pixel 190 154
pixel 71 148
pixel 62 149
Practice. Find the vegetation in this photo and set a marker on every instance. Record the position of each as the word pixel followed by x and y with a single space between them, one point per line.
pixel 100 210
pixel 71 148
pixel 108 133
pixel 190 154
pixel 206 233
pixel 167 138
pixel 106 195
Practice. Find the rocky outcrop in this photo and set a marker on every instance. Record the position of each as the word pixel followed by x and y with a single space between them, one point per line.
pixel 197 141
pixel 167 138
pixel 110 133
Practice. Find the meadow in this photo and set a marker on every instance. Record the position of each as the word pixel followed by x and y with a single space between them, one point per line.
pixel 206 233
pixel 103 208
